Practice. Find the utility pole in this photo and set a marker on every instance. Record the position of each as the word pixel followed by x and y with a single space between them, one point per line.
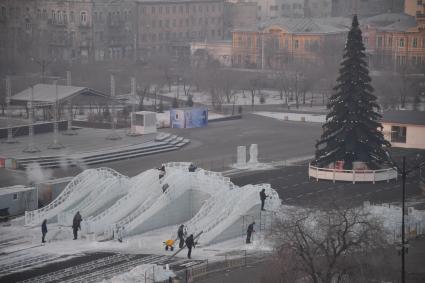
pixel 31 148
pixel 132 131
pixel 10 138
pixel 69 131
pixel 404 245
pixel 114 135
pixel 56 144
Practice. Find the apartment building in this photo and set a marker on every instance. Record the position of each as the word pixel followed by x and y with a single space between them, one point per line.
pixel 275 43
pixel 395 42
pixel 170 25
pixel 272 9
pixel 364 8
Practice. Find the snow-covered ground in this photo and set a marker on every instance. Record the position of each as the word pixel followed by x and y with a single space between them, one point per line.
pixel 239 98
pixel 299 117
pixel 203 201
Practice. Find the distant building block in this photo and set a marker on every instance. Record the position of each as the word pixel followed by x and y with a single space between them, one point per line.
pixel 241 155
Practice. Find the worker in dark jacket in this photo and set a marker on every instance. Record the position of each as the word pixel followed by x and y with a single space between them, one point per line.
pixel 249 232
pixel 43 230
pixel 263 197
pixel 76 224
pixel 180 235
pixel 190 243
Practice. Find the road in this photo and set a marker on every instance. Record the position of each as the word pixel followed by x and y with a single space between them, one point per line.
pixel 295 188
pixel 213 147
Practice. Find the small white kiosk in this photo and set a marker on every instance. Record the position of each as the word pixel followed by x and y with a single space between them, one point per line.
pixel 143 122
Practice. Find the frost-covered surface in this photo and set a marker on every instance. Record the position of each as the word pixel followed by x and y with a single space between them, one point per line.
pixel 145 273
pixel 218 211
pixel 316 118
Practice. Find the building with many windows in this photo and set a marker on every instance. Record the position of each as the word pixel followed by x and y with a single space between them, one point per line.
pixel 278 42
pixel 170 25
pixel 71 30
pixel 395 41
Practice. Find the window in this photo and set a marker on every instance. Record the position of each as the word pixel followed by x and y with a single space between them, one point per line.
pixel 167 10
pixel 415 42
pixel 3 12
pixel 401 43
pixel 174 9
pixel 38 13
pixel 296 43
pixel 15 196
pixel 71 16
pixel 398 134
pixel 181 9
pixel 174 23
pixel 379 42
pixel 83 17
pixel 160 10
pixel 248 42
pixel 153 10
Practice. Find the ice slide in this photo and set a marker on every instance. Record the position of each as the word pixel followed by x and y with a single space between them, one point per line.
pixel 220 218
pixel 143 189
pixel 185 196
pixel 79 188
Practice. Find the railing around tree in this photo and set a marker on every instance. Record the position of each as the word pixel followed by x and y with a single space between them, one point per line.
pixel 352 175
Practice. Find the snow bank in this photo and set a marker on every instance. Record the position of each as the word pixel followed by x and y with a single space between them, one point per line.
pixel 300 117
pixel 145 273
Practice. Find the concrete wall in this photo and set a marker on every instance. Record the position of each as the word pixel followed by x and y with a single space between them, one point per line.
pixel 415 135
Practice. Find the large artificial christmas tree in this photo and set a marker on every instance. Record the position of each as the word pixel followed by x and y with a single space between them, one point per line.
pixel 352 131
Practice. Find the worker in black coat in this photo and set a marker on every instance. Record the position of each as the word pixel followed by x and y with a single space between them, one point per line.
pixel 180 235
pixel 43 230
pixel 76 224
pixel 190 243
pixel 249 232
pixel 263 197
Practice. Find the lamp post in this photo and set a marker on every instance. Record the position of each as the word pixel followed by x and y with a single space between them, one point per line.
pixel 404 245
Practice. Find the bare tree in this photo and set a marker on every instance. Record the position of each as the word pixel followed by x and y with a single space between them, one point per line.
pixel 322 245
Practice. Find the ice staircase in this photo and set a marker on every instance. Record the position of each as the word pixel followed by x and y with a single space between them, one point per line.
pixel 163 143
pixel 81 186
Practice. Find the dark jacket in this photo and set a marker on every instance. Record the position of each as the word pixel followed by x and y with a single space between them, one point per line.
pixel 250 228
pixel 180 232
pixel 76 221
pixel 190 242
pixel 263 195
pixel 44 227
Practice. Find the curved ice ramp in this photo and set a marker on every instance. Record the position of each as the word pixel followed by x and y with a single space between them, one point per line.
pixel 98 200
pixel 73 193
pixel 142 187
pixel 221 217
pixel 186 194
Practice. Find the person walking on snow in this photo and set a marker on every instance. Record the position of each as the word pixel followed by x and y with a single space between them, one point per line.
pixel 180 235
pixel 43 230
pixel 249 232
pixel 190 243
pixel 263 197
pixel 76 224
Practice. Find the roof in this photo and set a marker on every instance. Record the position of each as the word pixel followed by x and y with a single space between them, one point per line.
pixel 303 25
pixel 401 25
pixel 14 189
pixel 404 117
pixel 385 19
pixel 47 93
pixel 175 1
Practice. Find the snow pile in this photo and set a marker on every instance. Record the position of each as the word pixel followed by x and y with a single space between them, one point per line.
pixel 145 273
pixel 304 117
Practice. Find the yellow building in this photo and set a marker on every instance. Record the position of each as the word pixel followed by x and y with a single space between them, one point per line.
pixel 278 42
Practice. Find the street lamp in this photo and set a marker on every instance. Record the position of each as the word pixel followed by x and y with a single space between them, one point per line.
pixel 404 245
